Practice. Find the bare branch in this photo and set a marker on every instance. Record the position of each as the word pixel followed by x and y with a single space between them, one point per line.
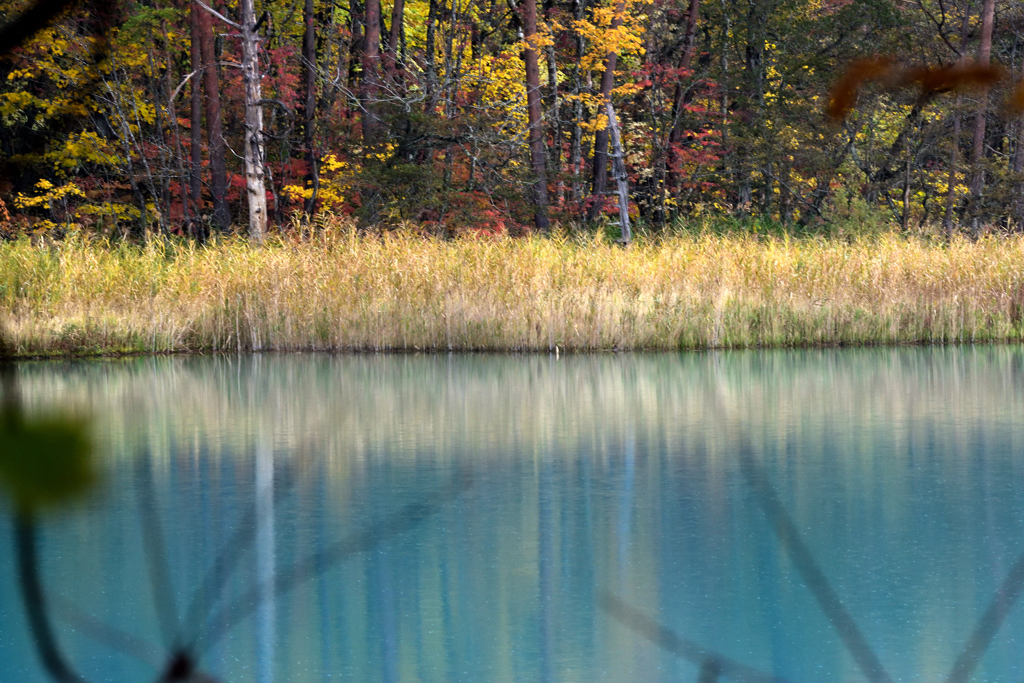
pixel 181 85
pixel 218 15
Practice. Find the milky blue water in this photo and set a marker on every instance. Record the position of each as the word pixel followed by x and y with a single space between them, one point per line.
pixel 836 515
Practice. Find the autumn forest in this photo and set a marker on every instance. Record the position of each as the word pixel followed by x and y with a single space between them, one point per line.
pixel 176 117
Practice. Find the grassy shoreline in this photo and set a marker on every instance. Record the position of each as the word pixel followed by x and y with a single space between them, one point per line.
pixel 343 291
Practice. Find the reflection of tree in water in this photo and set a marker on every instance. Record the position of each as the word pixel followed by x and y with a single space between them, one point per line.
pixel 46 462
pixel 714 666
pixel 188 639
pixel 42 463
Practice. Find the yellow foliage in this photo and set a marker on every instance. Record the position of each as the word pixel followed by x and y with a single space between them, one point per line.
pixel 336 182
pixel 48 193
pixel 115 210
pixel 602 39
pixel 501 88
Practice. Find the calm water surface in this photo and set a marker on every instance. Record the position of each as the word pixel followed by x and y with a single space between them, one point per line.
pixel 796 515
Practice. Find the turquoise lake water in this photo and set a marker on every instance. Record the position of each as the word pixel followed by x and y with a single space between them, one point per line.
pixel 804 516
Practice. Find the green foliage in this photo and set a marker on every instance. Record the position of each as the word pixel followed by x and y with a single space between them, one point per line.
pixel 44 461
pixel 848 214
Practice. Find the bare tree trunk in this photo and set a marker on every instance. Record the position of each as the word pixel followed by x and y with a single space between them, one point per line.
pixel 978 146
pixel 397 21
pixel 196 102
pixel 619 171
pixel 727 166
pixel 1018 173
pixel 576 140
pixel 355 45
pixel 1018 170
pixel 954 162
pixel 754 75
pixel 431 92
pixel 309 106
pixel 600 185
pixel 162 197
pixel 214 129
pixel 371 61
pixel 689 48
pixel 179 157
pixel 954 156
pixel 254 171
pixel 179 161
pixel 905 217
pixel 1018 152
pixel 554 109
pixel 540 182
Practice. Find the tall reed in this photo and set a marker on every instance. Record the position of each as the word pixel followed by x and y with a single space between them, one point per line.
pixel 343 290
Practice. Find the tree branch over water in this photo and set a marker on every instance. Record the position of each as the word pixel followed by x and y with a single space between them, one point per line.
pixel 814 578
pixel 711 663
pixel 362 541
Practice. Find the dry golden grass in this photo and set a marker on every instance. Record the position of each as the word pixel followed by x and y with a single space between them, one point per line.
pixel 345 291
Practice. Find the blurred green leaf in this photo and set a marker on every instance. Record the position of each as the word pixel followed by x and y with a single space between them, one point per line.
pixel 44 461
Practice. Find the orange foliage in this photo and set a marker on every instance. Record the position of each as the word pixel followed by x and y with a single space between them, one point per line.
pixel 893 76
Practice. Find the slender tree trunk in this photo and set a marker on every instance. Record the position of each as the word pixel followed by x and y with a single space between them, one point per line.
pixel 978 146
pixel 163 197
pixel 451 69
pixel 554 108
pixel 475 39
pixel 676 136
pixel 754 72
pixel 954 163
pixel 179 157
pixel 619 171
pixel 905 217
pixel 355 44
pixel 431 47
pixel 309 106
pixel 179 161
pixel 214 128
pixel 533 105
pixel 196 128
pixel 576 139
pixel 728 171
pixel 397 22
pixel 600 185
pixel 255 174
pixel 403 47
pixel 1018 169
pixel 1018 173
pixel 430 89
pixel 954 155
pixel 371 63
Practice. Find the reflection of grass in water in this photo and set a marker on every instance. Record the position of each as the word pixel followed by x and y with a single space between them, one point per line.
pixel 345 291
pixel 434 407
pixel 972 383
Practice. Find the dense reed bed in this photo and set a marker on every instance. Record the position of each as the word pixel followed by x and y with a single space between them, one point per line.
pixel 346 291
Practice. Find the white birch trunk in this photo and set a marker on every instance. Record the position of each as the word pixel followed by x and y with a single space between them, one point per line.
pixel 254 170
pixel 619 172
